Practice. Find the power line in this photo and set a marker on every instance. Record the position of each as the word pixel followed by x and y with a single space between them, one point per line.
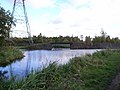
pixel 20 16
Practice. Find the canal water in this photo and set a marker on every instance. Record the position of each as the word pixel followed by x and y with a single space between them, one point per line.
pixel 38 59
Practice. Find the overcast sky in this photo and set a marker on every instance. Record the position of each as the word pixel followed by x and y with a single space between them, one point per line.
pixel 71 17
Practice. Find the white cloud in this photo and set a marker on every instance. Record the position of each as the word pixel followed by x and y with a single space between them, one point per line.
pixel 102 14
pixel 78 17
pixel 41 3
pixel 79 3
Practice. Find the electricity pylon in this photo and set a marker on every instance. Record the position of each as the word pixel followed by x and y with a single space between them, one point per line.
pixel 22 28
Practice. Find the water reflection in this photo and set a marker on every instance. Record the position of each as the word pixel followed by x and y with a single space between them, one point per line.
pixel 38 59
pixel 2 75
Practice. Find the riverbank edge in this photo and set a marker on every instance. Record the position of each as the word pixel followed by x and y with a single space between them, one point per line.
pixel 9 54
pixel 89 72
pixel 49 46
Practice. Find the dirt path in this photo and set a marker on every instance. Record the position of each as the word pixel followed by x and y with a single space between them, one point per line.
pixel 115 82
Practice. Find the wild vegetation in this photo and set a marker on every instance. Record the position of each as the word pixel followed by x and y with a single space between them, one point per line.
pixel 118 88
pixel 41 39
pixel 89 72
pixel 103 41
pixel 7 53
pixel 6 21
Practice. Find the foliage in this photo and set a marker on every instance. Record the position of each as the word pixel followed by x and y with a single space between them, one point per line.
pixel 9 54
pixel 102 40
pixel 118 87
pixel 40 39
pixel 90 72
pixel 88 40
pixel 6 21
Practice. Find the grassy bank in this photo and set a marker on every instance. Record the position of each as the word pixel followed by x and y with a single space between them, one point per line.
pixel 90 72
pixel 9 54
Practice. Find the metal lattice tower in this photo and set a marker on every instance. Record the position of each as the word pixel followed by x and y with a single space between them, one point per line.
pixel 22 28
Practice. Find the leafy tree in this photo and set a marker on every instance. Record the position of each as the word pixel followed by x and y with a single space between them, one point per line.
pixel 108 39
pixel 6 21
pixel 102 38
pixel 103 35
pixel 40 38
pixel 115 40
pixel 88 40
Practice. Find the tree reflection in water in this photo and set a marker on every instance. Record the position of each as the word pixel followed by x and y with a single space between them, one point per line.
pixel 2 75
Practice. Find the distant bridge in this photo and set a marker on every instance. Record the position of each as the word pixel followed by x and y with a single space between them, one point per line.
pixel 61 45
pixel 50 46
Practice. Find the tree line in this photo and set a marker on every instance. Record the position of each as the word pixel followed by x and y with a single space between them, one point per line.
pixel 6 22
pixel 41 39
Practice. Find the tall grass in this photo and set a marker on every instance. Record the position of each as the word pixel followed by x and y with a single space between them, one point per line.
pixel 9 54
pixel 89 72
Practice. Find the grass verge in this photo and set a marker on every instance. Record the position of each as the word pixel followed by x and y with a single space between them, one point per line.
pixel 89 72
pixel 9 54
